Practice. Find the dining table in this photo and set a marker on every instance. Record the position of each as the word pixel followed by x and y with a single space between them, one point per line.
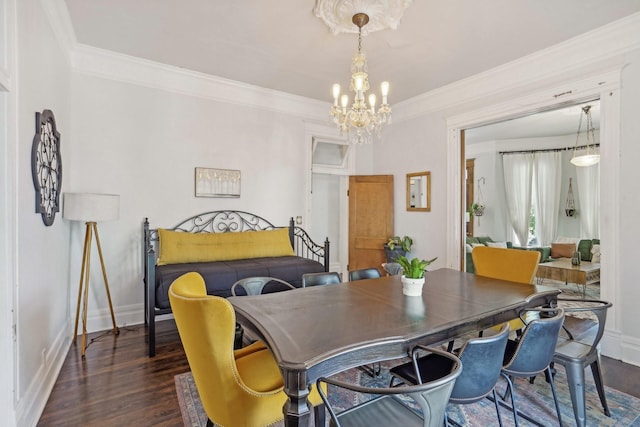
pixel 322 330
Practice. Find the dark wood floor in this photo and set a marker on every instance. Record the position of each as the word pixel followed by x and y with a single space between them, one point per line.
pixel 118 385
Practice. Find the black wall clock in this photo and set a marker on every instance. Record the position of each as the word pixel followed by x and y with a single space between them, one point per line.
pixel 46 166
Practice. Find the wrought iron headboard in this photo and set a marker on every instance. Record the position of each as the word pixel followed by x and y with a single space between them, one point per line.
pixel 227 221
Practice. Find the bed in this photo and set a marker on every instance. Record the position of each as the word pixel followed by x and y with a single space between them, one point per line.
pixel 223 246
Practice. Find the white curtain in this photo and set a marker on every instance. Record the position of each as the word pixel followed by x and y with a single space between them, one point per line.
pixel 518 173
pixel 589 200
pixel 548 175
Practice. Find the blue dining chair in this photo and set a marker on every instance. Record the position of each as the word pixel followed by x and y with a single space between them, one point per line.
pixel 482 363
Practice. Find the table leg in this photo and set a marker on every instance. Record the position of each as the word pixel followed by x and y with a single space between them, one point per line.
pixel 296 408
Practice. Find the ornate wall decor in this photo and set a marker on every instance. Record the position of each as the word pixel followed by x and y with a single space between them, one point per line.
pixel 46 166
pixel 383 14
pixel 217 182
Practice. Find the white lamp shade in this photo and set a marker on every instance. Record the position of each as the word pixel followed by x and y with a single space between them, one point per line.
pixel 90 207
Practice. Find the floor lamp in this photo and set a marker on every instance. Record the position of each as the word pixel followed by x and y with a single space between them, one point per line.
pixel 90 208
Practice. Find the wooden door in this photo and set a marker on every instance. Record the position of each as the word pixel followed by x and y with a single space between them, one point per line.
pixel 370 219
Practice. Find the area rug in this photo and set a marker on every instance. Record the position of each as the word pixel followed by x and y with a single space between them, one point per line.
pixel 534 400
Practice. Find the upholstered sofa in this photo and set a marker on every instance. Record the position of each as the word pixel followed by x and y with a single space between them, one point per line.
pixel 565 248
pixel 224 246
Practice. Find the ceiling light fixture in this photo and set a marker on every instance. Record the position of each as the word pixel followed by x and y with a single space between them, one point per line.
pixel 591 156
pixel 360 121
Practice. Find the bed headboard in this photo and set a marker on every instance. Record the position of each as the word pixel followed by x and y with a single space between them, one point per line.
pixel 231 221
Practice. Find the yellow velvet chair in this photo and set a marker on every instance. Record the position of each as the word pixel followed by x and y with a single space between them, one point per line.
pixel 514 265
pixel 237 388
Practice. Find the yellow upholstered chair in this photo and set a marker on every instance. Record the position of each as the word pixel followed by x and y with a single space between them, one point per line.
pixel 237 388
pixel 514 265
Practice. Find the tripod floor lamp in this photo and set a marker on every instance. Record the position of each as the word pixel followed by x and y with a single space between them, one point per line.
pixel 90 208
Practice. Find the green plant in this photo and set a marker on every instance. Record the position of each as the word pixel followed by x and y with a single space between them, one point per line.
pixel 476 209
pixel 403 242
pixel 413 269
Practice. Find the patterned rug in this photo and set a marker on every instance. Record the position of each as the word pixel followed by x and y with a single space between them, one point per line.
pixel 534 400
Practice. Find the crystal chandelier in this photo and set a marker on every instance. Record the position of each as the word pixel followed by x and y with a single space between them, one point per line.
pixel 360 121
pixel 591 156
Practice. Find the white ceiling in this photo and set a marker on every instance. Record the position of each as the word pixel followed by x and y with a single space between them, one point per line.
pixel 558 122
pixel 283 46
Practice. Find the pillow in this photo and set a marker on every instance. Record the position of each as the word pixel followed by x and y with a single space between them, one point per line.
pixel 562 250
pixel 595 253
pixel 471 240
pixel 484 239
pixel 497 244
pixel 475 245
pixel 469 248
pixel 178 247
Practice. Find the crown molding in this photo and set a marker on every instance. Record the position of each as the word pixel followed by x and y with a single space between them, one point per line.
pixel 60 21
pixel 129 69
pixel 591 52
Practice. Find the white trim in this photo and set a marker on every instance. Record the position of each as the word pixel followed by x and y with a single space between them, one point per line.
pixel 606 87
pixel 8 207
pixel 60 21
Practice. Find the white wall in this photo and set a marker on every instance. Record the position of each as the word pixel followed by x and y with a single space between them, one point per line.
pixel 42 288
pixel 417 146
pixel 144 144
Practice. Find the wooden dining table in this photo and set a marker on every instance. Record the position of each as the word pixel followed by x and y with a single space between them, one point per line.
pixel 322 330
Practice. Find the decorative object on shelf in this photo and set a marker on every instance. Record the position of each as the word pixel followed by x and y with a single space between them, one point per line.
pixel 90 208
pixel 46 166
pixel 359 122
pixel 413 274
pixel 397 246
pixel 570 208
pixel 337 14
pixel 591 155
pixel 217 182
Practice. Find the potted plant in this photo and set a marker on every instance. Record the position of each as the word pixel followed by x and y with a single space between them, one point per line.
pixel 397 246
pixel 477 209
pixel 413 274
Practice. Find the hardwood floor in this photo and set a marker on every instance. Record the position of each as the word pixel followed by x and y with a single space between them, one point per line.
pixel 118 385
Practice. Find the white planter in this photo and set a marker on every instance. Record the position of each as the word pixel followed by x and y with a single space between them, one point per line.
pixel 412 287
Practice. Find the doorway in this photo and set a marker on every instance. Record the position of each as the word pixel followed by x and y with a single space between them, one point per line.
pixel 327 214
pixel 601 86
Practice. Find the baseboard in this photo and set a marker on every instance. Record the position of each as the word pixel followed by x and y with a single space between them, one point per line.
pixel 30 407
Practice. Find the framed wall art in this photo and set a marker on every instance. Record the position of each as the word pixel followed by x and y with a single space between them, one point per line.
pixel 217 182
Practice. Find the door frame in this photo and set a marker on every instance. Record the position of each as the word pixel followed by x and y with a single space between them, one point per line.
pixel 327 133
pixel 606 87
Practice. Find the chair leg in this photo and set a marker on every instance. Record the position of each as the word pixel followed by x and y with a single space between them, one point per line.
pixel 495 400
pixel 555 397
pixel 320 415
pixel 597 378
pixel 513 398
pixel 575 381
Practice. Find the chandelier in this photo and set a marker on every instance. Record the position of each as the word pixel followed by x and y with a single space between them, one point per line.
pixel 361 120
pixel 591 156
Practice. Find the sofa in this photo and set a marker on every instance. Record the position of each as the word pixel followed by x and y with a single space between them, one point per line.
pixel 223 246
pixel 565 248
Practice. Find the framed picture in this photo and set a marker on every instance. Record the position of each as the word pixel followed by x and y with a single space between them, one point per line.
pixel 419 191
pixel 217 182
